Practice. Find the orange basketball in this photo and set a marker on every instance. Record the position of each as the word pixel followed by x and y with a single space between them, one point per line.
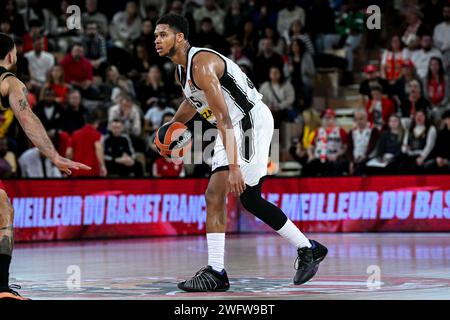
pixel 173 140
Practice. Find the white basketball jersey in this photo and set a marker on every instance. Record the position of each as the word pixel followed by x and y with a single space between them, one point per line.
pixel 239 92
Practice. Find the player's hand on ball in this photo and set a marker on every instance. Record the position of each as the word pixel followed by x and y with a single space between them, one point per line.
pixel 236 181
pixel 66 165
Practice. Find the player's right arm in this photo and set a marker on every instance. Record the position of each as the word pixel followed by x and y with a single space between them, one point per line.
pixel 18 99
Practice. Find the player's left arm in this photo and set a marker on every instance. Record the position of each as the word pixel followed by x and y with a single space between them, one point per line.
pixel 206 69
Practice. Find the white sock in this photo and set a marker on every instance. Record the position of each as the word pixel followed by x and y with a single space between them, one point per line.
pixel 216 250
pixel 292 234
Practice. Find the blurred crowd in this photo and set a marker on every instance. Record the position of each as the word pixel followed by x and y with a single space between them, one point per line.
pixel 102 91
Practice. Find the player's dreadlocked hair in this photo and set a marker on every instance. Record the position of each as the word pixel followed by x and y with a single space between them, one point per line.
pixel 175 21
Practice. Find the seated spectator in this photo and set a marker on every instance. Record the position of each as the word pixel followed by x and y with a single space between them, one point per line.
pixel 49 111
pixel 155 115
pixel 141 63
pixel 238 56
pixel 147 40
pixel 440 163
pixel 234 19
pixel 119 153
pixel 55 81
pixel 22 66
pixel 415 28
pixel 279 96
pixel 209 38
pixel 164 167
pixel 74 112
pixel 33 164
pixel 441 36
pixel 212 10
pixel 35 10
pixel 299 148
pixel 414 101
pixel 11 14
pixel 326 156
pixel 267 59
pixel 78 71
pixel 418 143
pixel 130 115
pixel 436 91
pixel 8 163
pixel 392 60
pixel 301 69
pixel 248 37
pixel 379 108
pixel 400 89
pixel 87 148
pixel 94 45
pixel 152 89
pixel 389 149
pixel 124 86
pixel 421 58
pixel 35 32
pixel 61 140
pixel 125 26
pixel 39 62
pixel 288 15
pixel 296 31
pixel 92 15
pixel 372 77
pixel 362 141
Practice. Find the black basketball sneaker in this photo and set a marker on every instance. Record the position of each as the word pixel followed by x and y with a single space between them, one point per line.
pixel 307 262
pixel 206 280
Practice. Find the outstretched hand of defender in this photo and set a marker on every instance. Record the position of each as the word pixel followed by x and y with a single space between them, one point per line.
pixel 236 181
pixel 67 165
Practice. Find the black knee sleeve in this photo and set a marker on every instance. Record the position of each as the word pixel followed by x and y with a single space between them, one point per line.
pixel 269 213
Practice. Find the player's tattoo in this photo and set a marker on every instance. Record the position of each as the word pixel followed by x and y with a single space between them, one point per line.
pixel 23 103
pixel 6 245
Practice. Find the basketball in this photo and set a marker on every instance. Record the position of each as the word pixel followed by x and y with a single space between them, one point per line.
pixel 173 140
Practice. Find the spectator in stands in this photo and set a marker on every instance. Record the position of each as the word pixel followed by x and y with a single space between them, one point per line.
pixel 422 57
pixel 234 19
pixel 415 28
pixel 248 37
pixel 164 167
pixel 400 89
pixel 326 156
pixel 35 32
pixel 388 151
pixel 9 12
pixel 74 112
pixel 49 111
pixel 87 148
pixel 238 56
pixel 78 71
pixel 279 43
pixel 441 36
pixel 5 27
pixel 92 15
pixel 34 10
pixel 210 9
pixel 119 153
pixel 267 59
pixel 127 112
pixel 94 45
pixel 141 63
pixel 22 66
pixel 8 163
pixel 392 60
pixel 155 114
pixel 126 26
pixel 414 101
pixel 362 140
pixel 372 77
pixel 418 143
pixel 288 15
pixel 321 23
pixel 33 164
pixel 152 89
pixel 296 31
pixel 436 91
pixel 147 40
pixel 379 108
pixel 440 163
pixel 39 62
pixel 56 82
pixel 299 148
pixel 301 69
pixel 208 37
pixel 123 86
pixel 279 96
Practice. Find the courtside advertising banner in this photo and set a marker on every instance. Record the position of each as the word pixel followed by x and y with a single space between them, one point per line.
pixel 90 209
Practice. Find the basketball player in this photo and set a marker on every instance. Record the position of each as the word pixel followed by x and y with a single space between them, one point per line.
pixel 215 87
pixel 13 94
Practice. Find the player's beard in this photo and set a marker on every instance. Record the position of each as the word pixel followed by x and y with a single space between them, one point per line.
pixel 172 50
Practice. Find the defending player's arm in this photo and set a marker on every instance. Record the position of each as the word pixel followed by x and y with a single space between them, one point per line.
pixel 33 127
pixel 205 70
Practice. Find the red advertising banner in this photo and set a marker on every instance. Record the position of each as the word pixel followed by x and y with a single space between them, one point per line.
pixel 354 204
pixel 83 209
